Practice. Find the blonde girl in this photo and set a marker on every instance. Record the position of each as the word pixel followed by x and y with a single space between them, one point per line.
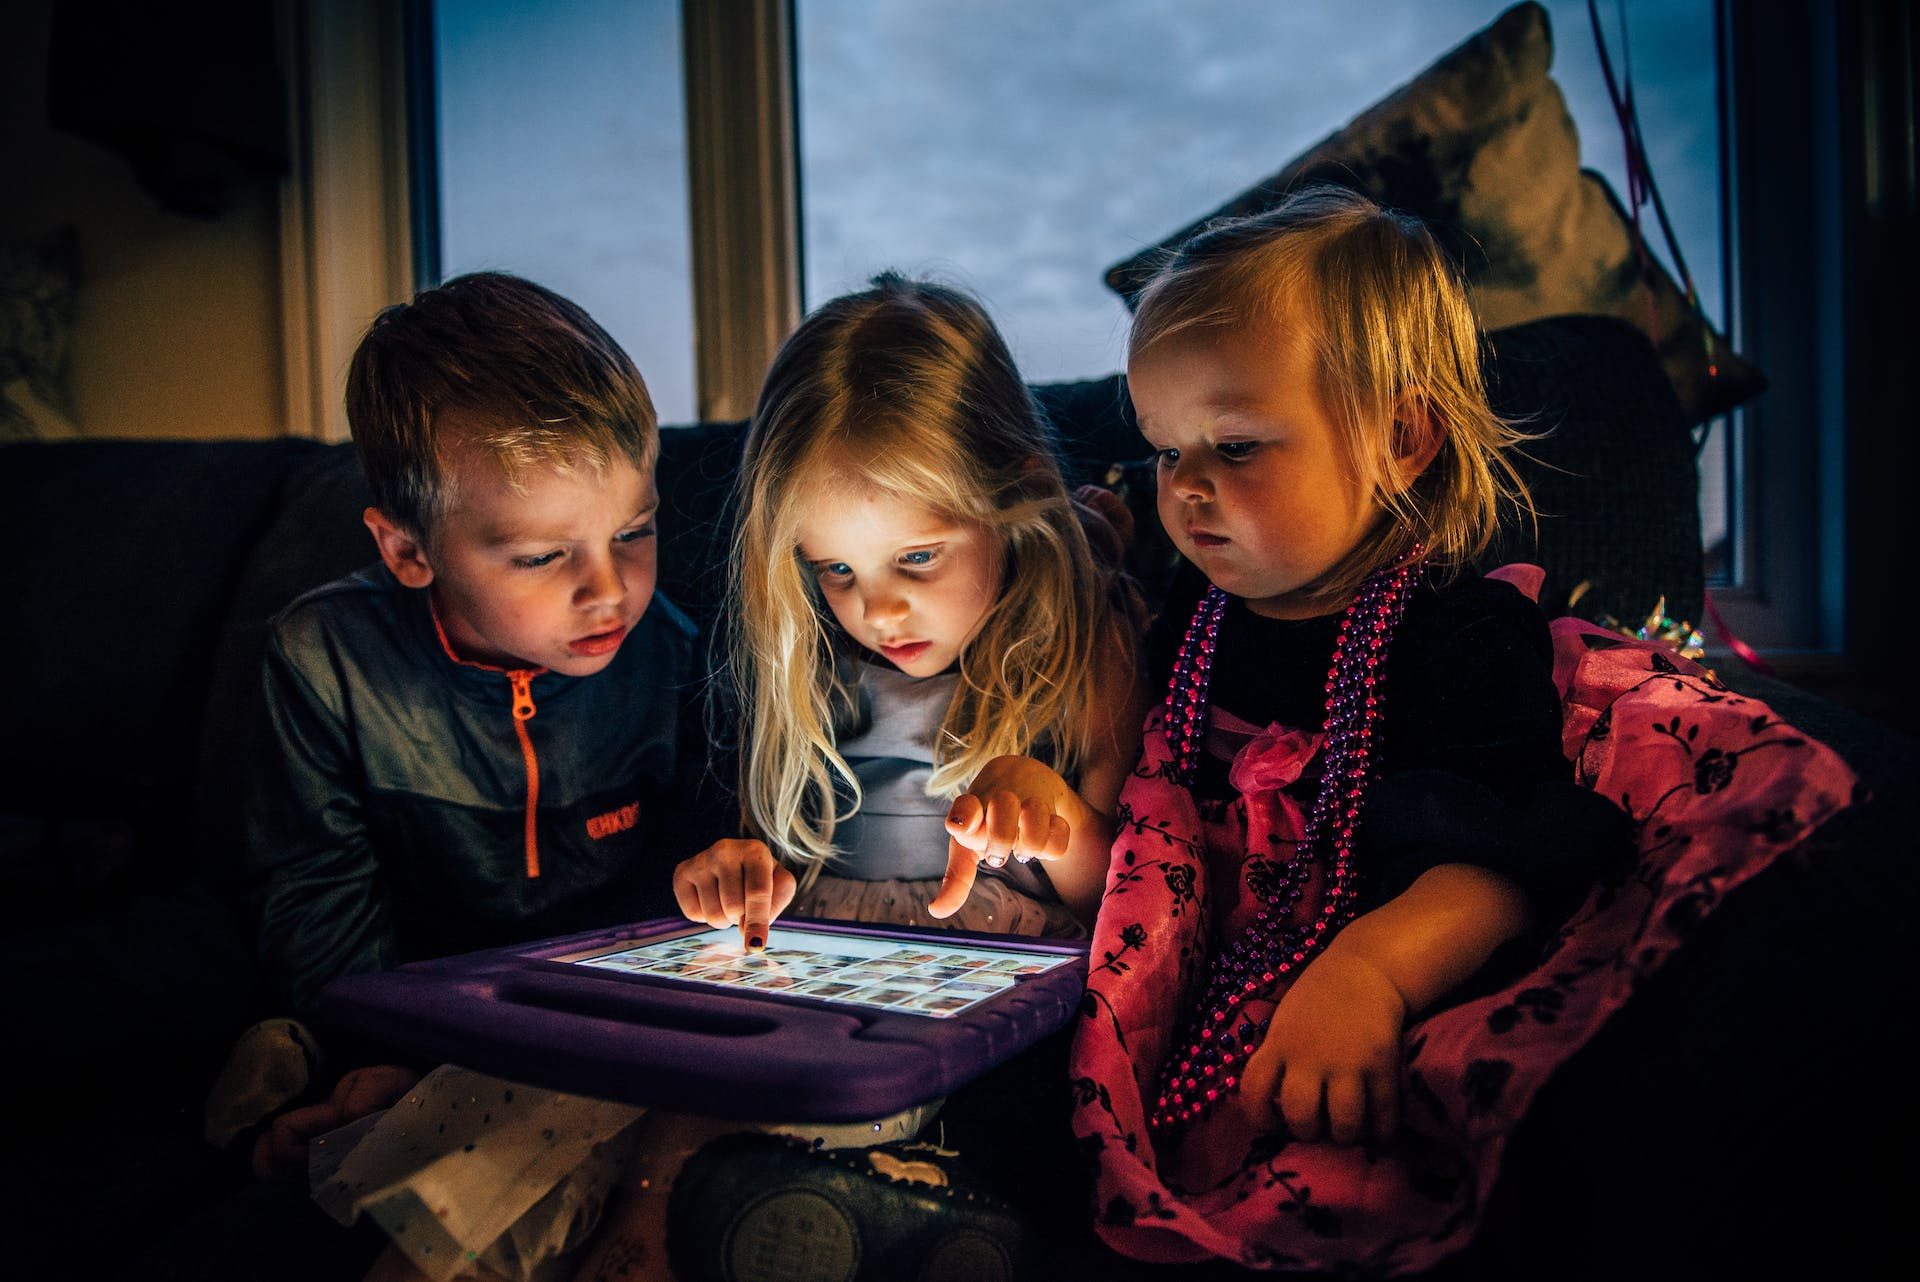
pixel 914 605
pixel 935 669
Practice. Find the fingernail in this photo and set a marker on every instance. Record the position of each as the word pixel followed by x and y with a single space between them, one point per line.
pixel 754 941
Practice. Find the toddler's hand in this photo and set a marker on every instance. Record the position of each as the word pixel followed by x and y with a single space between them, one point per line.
pixel 1016 808
pixel 735 880
pixel 1330 1062
pixel 280 1152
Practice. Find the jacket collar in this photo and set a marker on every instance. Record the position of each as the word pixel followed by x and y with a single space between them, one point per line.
pixel 487 682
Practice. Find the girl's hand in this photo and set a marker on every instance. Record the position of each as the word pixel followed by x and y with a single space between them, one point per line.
pixel 735 880
pixel 1016 808
pixel 1330 1063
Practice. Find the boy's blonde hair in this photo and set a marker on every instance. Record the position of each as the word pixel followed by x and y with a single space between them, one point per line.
pixel 534 379
pixel 908 389
pixel 1387 317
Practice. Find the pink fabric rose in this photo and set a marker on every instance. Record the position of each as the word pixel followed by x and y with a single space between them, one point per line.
pixel 1274 759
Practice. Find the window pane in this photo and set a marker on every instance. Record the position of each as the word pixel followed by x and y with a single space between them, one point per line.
pixel 562 148
pixel 1020 147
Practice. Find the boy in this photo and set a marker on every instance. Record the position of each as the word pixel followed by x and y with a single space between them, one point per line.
pixel 489 736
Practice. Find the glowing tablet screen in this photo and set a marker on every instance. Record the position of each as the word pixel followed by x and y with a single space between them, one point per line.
pixel 918 976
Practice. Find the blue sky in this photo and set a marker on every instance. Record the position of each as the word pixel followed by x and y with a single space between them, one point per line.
pixel 1017 147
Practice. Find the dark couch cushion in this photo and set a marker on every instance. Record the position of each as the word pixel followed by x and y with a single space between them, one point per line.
pixel 135 975
pixel 698 465
pixel 127 554
pixel 1614 476
pixel 316 536
pixel 1093 426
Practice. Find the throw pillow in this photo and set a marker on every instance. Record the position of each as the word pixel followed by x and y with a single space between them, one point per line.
pixel 36 327
pixel 1480 145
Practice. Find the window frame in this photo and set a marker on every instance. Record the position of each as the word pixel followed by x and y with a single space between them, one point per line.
pixel 1788 269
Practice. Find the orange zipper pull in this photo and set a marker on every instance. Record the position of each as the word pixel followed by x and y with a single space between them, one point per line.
pixel 522 682
pixel 523 710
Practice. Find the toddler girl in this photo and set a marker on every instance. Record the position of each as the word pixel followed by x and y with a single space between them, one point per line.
pixel 1353 807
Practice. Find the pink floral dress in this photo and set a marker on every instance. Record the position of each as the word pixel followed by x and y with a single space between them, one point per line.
pixel 1716 788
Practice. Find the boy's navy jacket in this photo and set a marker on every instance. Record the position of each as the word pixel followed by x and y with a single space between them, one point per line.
pixel 387 816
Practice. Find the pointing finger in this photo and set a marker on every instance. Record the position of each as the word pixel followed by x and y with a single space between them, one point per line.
pixel 962 868
pixel 756 909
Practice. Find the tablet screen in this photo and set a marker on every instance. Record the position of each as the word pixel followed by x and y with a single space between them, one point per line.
pixel 917 976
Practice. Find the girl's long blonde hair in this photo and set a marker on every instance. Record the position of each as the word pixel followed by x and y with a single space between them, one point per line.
pixel 1390 322
pixel 906 389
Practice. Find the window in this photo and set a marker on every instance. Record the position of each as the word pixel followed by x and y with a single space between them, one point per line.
pixel 561 155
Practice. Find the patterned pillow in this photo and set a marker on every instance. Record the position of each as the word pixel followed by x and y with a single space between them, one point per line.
pixel 1481 146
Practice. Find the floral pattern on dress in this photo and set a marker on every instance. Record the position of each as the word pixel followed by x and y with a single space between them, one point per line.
pixel 1716 787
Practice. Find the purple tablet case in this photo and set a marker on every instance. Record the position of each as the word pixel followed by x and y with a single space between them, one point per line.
pixel 752 1055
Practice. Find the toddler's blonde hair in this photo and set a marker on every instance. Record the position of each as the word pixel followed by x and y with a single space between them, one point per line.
pixel 906 389
pixel 1388 320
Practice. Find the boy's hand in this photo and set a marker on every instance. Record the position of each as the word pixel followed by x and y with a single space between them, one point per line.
pixel 1330 1063
pixel 280 1152
pixel 735 880
pixel 1015 808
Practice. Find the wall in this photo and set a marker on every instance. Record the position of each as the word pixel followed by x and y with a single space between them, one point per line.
pixel 177 326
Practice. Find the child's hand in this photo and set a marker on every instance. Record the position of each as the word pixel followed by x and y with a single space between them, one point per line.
pixel 735 880
pixel 280 1152
pixel 1331 1058
pixel 1330 1063
pixel 1106 520
pixel 1015 808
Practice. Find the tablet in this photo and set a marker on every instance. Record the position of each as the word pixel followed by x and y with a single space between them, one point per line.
pixel 832 1022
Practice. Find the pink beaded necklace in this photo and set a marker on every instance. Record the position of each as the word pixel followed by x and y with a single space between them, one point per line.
pixel 1213 1048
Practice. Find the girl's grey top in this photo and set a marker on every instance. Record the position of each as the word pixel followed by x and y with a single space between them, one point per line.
pixel 900 832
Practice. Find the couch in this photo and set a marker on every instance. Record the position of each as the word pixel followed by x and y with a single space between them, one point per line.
pixel 1733 1121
